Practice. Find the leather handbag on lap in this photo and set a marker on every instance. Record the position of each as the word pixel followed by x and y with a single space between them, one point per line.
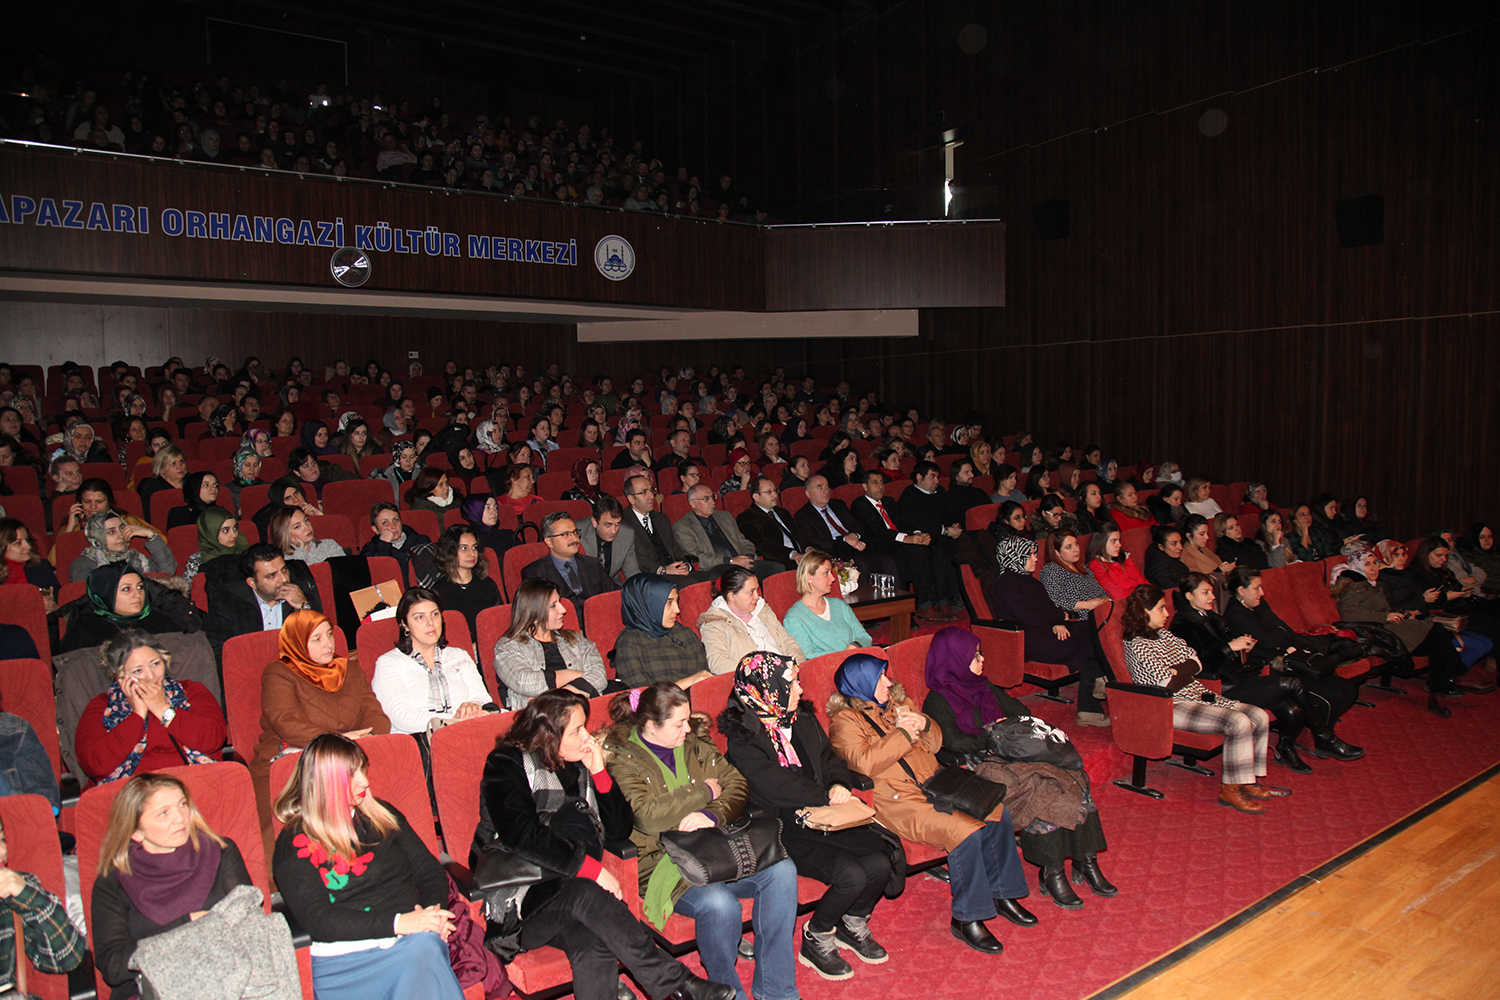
pixel 725 853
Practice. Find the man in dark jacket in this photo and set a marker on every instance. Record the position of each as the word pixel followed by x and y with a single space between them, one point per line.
pixel 769 527
pixel 827 524
pixel 267 589
pixel 656 549
pixel 576 576
pixel 925 556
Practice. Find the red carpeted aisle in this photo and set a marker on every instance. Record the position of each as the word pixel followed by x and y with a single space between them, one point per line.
pixel 1183 864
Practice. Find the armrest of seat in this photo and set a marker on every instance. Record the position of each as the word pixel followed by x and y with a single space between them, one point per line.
pixel 626 870
pixel 463 878
pixel 300 937
pixel 1000 623
pixel 861 782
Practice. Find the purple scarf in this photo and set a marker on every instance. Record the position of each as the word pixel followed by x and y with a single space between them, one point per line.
pixel 167 886
pixel 948 675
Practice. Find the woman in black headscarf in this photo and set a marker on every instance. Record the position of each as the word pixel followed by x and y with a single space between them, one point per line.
pixel 119 598
pixel 201 491
pixel 482 512
pixel 655 646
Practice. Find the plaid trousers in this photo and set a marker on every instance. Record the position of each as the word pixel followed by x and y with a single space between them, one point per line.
pixel 1245 729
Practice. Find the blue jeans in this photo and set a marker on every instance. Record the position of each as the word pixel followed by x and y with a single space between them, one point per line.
pixel 716 910
pixel 984 868
pixel 415 966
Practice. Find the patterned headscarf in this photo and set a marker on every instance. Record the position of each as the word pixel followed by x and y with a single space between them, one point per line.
pixel 858 676
pixel 237 465
pixel 397 450
pixel 218 419
pixel 1012 553
pixel 118 709
pixel 252 439
pixel 484 438
pixel 948 674
pixel 763 684
pixel 93 530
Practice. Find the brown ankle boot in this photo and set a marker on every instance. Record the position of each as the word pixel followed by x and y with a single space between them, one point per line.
pixel 1236 797
pixel 1257 791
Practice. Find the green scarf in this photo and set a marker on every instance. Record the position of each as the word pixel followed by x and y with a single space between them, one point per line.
pixel 209 523
pixel 665 876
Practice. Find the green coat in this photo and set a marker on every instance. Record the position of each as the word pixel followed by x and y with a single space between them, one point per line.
pixel 638 773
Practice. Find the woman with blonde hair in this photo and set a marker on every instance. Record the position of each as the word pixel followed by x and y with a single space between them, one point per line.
pixel 291 531
pixel 1198 501
pixel 161 866
pixel 168 471
pixel 362 883
pixel 822 624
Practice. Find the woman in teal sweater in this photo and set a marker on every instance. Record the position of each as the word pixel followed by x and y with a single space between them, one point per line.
pixel 822 624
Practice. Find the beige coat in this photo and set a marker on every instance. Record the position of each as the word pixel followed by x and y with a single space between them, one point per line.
pixel 899 803
pixel 728 640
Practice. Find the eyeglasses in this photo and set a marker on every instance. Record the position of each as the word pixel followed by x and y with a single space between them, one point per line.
pixel 565 534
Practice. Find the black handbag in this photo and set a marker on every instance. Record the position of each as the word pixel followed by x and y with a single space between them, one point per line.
pixel 1024 738
pixel 954 787
pixel 725 853
pixel 1309 666
pixel 498 868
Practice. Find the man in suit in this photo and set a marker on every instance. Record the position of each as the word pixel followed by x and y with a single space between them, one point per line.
pixel 266 589
pixel 826 524
pixel 656 548
pixel 576 576
pixel 598 538
pixel 713 539
pixel 769 527
pixel 926 559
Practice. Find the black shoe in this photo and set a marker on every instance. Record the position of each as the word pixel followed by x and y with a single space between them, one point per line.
pixel 977 936
pixel 940 873
pixel 1332 746
pixel 854 933
pixel 1017 914
pixel 820 953
pixel 701 989
pixel 1087 870
pixel 1286 754
pixel 747 949
pixel 1436 707
pixel 622 991
pixel 1054 882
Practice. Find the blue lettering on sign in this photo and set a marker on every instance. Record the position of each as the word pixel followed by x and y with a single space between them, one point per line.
pixel 98 217
pixel 20 207
pixel 325 234
pixel 383 237
pixel 305 234
pixel 197 225
pixel 4 215
pixel 397 241
pixel 124 219
pixel 71 217
pixel 362 237
pixel 242 230
pixel 265 229
pixel 450 245
pixel 171 222
pixel 143 219
pixel 533 251
pixel 46 213
pixel 218 225
pixel 285 231
pixel 479 246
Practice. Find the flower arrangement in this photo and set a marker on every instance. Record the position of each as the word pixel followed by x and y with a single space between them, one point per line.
pixel 848 575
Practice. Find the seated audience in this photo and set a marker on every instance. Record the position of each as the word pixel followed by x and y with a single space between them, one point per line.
pixel 431 491
pixel 200 491
pixel 546 796
pixel 577 576
pixel 291 531
pixel 1255 500
pixel 403 468
pixel 1011 522
pixel 117 599
pixel 819 623
pixel 109 536
pixel 739 622
pixel 1158 658
pixel 537 653
pixel 585 482
pixel 462 578
pixel 482 512
pixel 1197 499
pixel 161 867
pixel 1164 566
pixel 244 471
pixel 654 646
pixel 260 594
pixel 769 527
pixel 1124 509
pixel 168 472
pixel 599 538
pixel 1232 546
pixel 1167 506
pixel 361 882
pixel 394 539
pixel 1309 541
pixel 1478 549
pixel 1196 555
pixel 712 539
pixel 879 733
pixel 425 683
pixel 218 537
pixel 146 720
pixel 285 492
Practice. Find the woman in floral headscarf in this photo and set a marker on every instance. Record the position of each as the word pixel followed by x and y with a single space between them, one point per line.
pixel 403 468
pixel 585 481
pixel 258 441
pixel 244 470
pixel 1047 789
pixel 777 743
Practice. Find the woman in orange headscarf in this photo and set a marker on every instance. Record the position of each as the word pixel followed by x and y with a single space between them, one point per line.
pixel 307 691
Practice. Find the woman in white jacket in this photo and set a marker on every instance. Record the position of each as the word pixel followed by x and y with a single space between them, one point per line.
pixel 424 679
pixel 739 622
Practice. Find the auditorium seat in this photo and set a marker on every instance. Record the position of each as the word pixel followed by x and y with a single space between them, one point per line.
pixel 33 847
pixel 693 600
pixel 245 659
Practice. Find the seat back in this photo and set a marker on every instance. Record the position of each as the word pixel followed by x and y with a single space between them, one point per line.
pixel 223 794
pixel 602 615
pixel 27 509
pixel 458 755
pixel 578 510
pixel 711 696
pixel 22 605
pixel 26 690
pixel 396 777
pixel 693 600
pixel 1135 542
pixel 1281 592
pixel 1004 655
pixel 354 497
pixel 780 592
pixel 245 659
pixel 31 839
pixel 336 527
pixel 979 601
pixel 981 517
pixel 376 638
pixel 908 667
pixel 518 558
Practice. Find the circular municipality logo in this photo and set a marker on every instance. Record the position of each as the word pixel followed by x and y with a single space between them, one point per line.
pixel 350 267
pixel 615 258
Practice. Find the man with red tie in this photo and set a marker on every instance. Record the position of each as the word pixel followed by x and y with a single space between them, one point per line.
pixel 826 524
pixel 925 557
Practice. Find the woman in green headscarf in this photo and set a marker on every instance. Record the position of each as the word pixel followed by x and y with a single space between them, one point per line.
pixel 244 471
pixel 119 597
pixel 675 779
pixel 218 536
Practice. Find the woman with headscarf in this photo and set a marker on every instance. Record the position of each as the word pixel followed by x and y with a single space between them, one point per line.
pixel 285 492
pixel 1020 597
pixel 147 720
pixel 224 422
pixel 1478 548
pixel 201 491
pixel 403 468
pixel 79 444
pixel 244 471
pixel 482 512
pixel 878 732
pixel 676 779
pixel 109 542
pixel 315 438
pixel 654 645
pixel 463 466
pixel 778 745
pixel 585 481
pixel 119 598
pixel 258 441
pixel 1107 470
pixel 218 536
pixel 309 690
pixel 1047 788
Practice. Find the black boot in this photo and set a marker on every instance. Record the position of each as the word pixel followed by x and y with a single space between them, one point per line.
pixel 1054 882
pixel 1012 910
pixel 977 936
pixel 1435 706
pixel 701 989
pixel 1286 754
pixel 1086 869
pixel 1326 744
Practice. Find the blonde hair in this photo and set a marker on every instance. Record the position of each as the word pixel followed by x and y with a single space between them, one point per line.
pixel 812 560
pixel 1193 486
pixel 125 819
pixel 1221 524
pixel 317 796
pixel 160 459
